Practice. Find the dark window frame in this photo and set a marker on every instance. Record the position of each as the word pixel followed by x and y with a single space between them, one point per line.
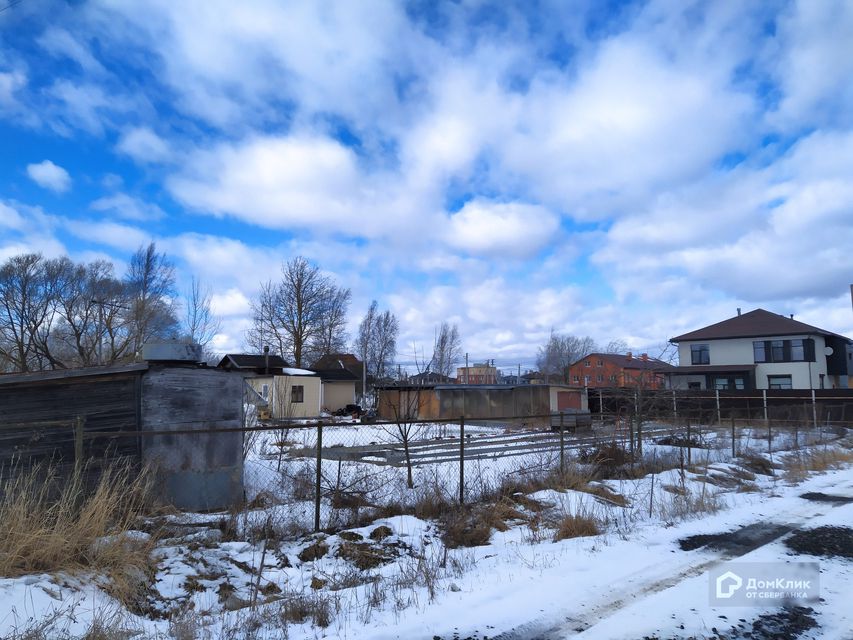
pixel 297 394
pixel 700 354
pixel 780 377
pixel 786 350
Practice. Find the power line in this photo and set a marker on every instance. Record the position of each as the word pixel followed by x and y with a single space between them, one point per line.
pixel 13 3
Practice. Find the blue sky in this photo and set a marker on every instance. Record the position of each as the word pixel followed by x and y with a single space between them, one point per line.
pixel 626 170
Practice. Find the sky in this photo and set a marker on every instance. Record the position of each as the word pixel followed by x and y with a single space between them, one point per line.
pixel 624 170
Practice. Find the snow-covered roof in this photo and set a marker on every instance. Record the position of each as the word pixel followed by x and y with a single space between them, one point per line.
pixel 291 371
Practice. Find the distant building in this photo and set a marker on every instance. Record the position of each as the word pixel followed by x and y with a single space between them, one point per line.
pixel 477 374
pixel 603 370
pixel 346 361
pixel 430 377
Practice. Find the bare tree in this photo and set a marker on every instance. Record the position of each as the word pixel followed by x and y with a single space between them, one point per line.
pixel 301 314
pixel 200 323
pixel 376 342
pixel 151 286
pixel 561 350
pixel 447 350
pixel 26 308
pixel 617 345
pixel 332 337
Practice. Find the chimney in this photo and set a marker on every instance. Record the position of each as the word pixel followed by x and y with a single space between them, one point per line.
pixel 644 357
pixel 629 355
pixel 792 316
pixel 266 359
pixel 738 310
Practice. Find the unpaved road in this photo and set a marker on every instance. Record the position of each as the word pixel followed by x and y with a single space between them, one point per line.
pixel 583 619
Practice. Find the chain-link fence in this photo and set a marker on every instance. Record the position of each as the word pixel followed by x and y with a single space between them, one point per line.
pixel 304 475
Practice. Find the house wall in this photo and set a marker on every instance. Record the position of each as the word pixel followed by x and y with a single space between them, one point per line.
pixel 608 370
pixel 337 394
pixel 563 398
pixel 198 471
pixel 804 375
pixel 282 389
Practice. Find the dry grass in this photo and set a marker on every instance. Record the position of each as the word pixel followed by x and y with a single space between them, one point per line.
pixel 577 525
pixel 797 466
pixel 50 524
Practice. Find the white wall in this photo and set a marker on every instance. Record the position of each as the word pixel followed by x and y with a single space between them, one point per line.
pixel 804 375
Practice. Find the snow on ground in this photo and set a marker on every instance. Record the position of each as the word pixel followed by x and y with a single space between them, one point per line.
pixel 394 578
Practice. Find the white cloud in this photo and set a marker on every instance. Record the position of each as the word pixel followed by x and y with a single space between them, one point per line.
pixel 499 230
pixel 812 59
pixel 59 42
pixel 127 207
pixel 281 183
pixel 143 145
pixel 48 175
pixel 111 234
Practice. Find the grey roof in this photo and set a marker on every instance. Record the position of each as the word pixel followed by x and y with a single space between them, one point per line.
pixel 336 375
pixel 61 374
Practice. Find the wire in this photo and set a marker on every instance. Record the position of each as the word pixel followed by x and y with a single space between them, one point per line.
pixel 13 3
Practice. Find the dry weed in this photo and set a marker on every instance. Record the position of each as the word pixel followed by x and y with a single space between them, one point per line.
pixel 577 525
pixel 48 525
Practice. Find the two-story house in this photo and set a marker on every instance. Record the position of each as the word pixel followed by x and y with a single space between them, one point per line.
pixel 603 370
pixel 760 350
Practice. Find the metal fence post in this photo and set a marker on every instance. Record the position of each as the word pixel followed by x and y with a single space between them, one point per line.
pixel 734 452
pixel 318 479
pixel 79 427
pixel 674 407
pixel 562 446
pixel 462 459
pixel 814 409
pixel 719 415
pixel 764 399
pixel 689 442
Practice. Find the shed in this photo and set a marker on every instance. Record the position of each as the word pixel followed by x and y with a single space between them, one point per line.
pixel 296 393
pixel 197 471
pixel 480 402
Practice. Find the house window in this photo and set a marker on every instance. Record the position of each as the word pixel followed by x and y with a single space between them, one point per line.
pixel 777 350
pixel 576 378
pixel 779 382
pixel 600 363
pixel 729 384
pixel 799 350
pixel 297 393
pixel 613 378
pixel 700 354
pixel 265 391
pixel 599 378
pixel 586 380
pixel 587 364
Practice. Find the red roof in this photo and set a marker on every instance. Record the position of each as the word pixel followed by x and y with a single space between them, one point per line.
pixel 754 324
pixel 634 362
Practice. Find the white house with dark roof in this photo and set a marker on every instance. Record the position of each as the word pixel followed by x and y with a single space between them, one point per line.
pixel 760 350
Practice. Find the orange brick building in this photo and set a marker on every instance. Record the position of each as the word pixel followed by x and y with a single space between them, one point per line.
pixel 603 370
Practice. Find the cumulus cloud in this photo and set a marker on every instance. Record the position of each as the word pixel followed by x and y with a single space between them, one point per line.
pixel 143 145
pixel 48 175
pixel 128 207
pixel 277 182
pixel 499 229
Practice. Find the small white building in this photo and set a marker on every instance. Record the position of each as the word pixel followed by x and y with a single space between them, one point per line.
pixel 289 392
pixel 760 350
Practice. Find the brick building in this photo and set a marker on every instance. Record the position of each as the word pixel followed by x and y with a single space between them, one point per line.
pixel 603 370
